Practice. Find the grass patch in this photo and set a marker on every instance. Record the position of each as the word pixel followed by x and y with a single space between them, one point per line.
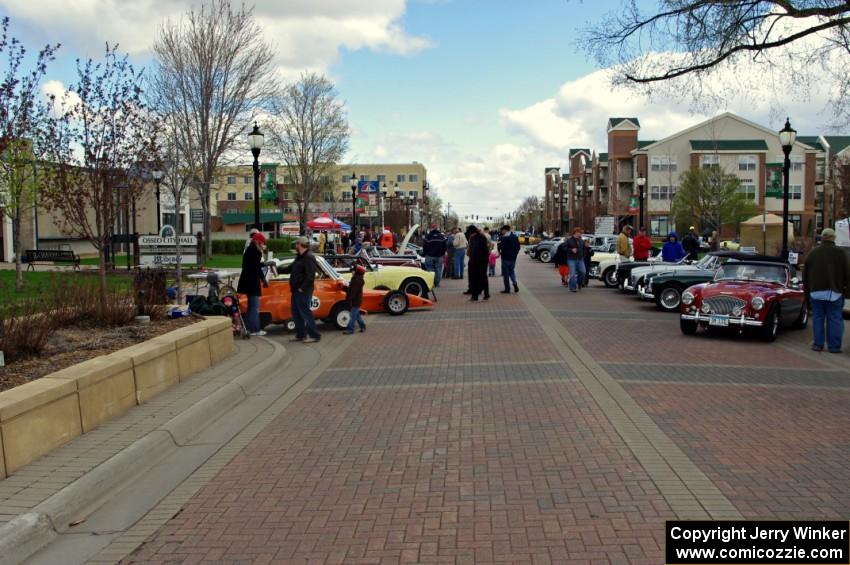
pixel 41 284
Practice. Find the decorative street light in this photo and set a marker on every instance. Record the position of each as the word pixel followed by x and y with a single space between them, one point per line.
pixel 641 181
pixel 353 182
pixel 157 177
pixel 255 141
pixel 787 137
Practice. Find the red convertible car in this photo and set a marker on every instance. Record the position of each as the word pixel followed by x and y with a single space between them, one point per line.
pixel 753 295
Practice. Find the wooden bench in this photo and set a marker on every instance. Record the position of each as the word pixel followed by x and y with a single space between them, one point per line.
pixel 51 256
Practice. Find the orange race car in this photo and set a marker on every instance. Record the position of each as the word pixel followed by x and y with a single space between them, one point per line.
pixel 329 304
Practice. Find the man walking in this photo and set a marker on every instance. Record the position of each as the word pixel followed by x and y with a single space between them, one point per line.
pixel 575 260
pixel 509 250
pixel 826 279
pixel 301 282
pixel 434 249
pixel 642 245
pixel 479 251
pixel 624 247
pixel 459 242
pixel 690 243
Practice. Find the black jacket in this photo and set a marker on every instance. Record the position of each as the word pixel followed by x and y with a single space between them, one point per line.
pixel 509 247
pixel 479 250
pixel 690 244
pixel 354 294
pixel 434 244
pixel 303 275
pixel 560 256
pixel 252 272
pixel 577 244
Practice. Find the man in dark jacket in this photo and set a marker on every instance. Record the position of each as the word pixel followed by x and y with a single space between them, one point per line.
pixel 354 295
pixel 479 251
pixel 250 280
pixel 434 249
pixel 826 279
pixel 508 250
pixel 575 260
pixel 302 279
pixel 690 243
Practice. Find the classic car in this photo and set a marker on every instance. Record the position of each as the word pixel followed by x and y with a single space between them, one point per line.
pixel 665 287
pixel 545 250
pixel 608 270
pixel 411 280
pixel 329 303
pixel 381 256
pixel 624 269
pixel 527 239
pixel 747 295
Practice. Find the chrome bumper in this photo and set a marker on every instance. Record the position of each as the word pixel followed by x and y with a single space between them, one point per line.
pixel 594 273
pixel 645 293
pixel 701 318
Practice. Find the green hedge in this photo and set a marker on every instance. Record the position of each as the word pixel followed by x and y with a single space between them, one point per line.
pixel 237 246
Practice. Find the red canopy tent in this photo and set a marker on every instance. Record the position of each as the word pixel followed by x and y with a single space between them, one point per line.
pixel 326 223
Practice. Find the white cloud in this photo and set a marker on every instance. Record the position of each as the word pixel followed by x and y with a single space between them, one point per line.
pixel 307 34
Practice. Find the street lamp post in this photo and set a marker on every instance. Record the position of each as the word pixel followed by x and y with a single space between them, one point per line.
pixel 641 181
pixel 157 177
pixel 787 137
pixel 353 183
pixel 255 140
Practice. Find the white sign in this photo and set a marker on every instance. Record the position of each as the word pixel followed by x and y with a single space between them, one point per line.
pixel 793 257
pixel 605 224
pixel 159 251
pixel 290 228
pixel 315 303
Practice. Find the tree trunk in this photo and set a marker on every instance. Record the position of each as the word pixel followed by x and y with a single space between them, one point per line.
pixel 207 221
pixel 19 248
pixel 102 276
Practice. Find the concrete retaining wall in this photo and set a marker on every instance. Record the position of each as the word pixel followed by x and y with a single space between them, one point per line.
pixel 41 415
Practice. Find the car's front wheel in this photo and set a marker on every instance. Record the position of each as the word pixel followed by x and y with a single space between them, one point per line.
pixel 396 303
pixel 669 298
pixel 803 319
pixel 545 255
pixel 341 315
pixel 609 277
pixel 414 286
pixel 688 327
pixel 771 325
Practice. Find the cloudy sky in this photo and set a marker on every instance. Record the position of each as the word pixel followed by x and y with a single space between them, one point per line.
pixel 485 93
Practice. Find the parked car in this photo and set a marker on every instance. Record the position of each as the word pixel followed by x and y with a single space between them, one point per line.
pixel 748 295
pixel 411 280
pixel 545 250
pixel 526 238
pixel 381 256
pixel 608 271
pixel 329 303
pixel 665 287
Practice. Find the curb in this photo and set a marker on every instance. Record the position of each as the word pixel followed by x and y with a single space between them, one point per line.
pixel 27 533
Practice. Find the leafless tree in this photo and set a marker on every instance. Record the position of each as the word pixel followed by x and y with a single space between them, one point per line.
pixel 98 140
pixel 686 41
pixel 22 134
pixel 529 213
pixel 840 182
pixel 212 75
pixel 310 135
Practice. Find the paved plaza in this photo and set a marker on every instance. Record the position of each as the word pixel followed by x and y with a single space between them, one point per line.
pixel 539 427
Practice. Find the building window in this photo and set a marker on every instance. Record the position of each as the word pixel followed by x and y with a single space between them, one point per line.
pixel 413 194
pixel 659 225
pixel 325 179
pixel 818 220
pixel 662 192
pixel 364 177
pixel 346 195
pixel 748 190
pixel 663 163
pixel 231 196
pixel 249 196
pixel 709 161
pixel 747 162
pixel 248 180
pixel 328 196
pixel 797 221
pixel 400 178
pixel 287 195
pixel 344 179
pixel 413 178
pixel 795 192
pixel 287 179
pixel 797 161
pixel 231 180
pixel 382 178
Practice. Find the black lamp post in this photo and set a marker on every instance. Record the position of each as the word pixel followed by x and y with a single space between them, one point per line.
pixel 157 178
pixel 255 140
pixel 787 137
pixel 641 181
pixel 353 182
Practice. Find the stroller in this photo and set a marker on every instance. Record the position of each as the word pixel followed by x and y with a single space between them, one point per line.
pixel 217 305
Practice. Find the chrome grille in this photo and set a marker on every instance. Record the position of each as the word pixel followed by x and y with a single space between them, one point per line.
pixel 724 304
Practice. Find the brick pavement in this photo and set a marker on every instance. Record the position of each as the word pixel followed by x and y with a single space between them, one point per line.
pixel 479 433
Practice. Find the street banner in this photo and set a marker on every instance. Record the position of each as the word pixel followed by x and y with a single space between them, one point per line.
pixel 773 184
pixel 634 204
pixel 368 186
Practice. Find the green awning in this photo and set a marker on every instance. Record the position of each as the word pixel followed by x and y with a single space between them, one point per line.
pixel 728 145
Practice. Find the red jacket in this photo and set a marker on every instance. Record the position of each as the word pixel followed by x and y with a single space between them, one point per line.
pixel 642 245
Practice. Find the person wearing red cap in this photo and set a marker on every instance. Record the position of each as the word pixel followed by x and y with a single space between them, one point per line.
pixel 354 294
pixel 250 280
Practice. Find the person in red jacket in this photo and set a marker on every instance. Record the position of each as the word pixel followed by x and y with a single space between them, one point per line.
pixel 642 245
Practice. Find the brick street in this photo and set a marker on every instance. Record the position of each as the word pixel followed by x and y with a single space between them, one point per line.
pixel 539 427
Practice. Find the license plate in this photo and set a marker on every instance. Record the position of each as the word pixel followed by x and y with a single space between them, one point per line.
pixel 716 320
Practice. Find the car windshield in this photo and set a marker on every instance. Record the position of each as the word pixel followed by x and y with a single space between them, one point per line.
pixel 747 272
pixel 706 262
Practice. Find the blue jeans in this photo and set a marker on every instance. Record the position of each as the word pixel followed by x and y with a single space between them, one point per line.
pixel 356 318
pixel 508 272
pixel 252 316
pixel 458 265
pixel 576 271
pixel 435 265
pixel 305 323
pixel 826 313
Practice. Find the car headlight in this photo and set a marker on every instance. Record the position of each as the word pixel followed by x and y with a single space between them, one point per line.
pixel 687 298
pixel 705 309
pixel 757 303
